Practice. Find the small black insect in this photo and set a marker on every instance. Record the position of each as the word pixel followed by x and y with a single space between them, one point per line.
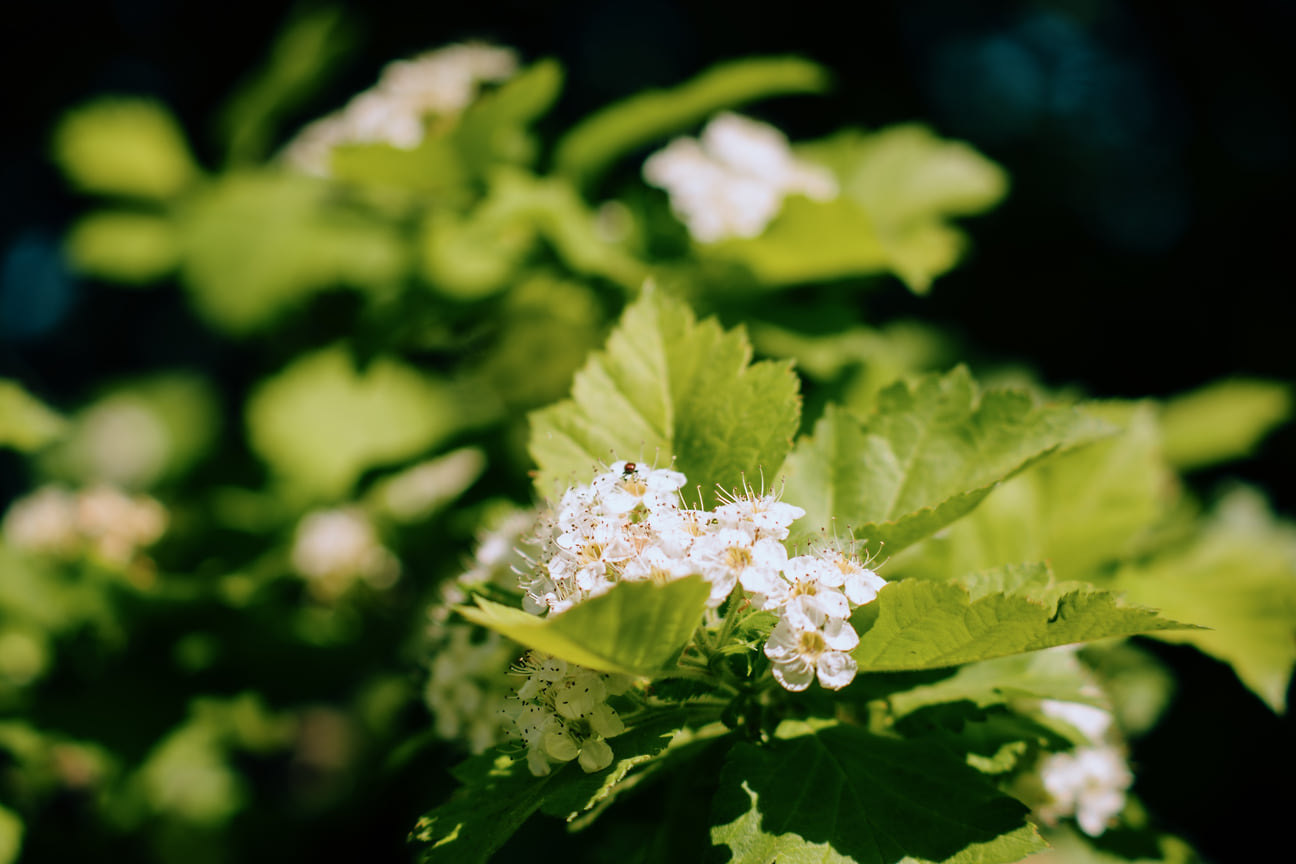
pixel 629 469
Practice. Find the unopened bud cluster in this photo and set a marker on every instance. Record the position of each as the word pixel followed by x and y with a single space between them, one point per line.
pixel 561 713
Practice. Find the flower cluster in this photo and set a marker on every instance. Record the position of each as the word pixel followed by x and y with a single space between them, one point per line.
pixel 629 525
pixel 466 690
pixel 333 549
pixel 732 182
pixel 438 83
pixel 1089 782
pixel 561 713
pixel 102 521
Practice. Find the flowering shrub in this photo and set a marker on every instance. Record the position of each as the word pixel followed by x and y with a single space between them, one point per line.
pixel 525 509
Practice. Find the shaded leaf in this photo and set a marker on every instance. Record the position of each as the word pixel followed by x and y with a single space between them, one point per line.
pixel 927 456
pixel 842 794
pixel 637 628
pixel 669 389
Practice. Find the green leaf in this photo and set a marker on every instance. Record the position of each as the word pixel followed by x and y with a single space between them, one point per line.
pixel 1081 510
pixel 494 128
pixel 119 146
pixel 25 423
pixel 1238 577
pixel 670 390
pixel 320 424
pixel 498 796
pixel 842 794
pixel 928 455
pixel 809 241
pixel 306 54
pixel 637 628
pixel 580 793
pixel 907 181
pixel 1037 675
pixel 135 248
pixel 1223 421
pixel 255 245
pixel 11 834
pixel 590 148
pixel 433 168
pixel 918 624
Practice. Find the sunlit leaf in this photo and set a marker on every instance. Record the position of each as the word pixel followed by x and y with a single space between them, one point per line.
pixel 1082 511
pixel 670 390
pixel 916 624
pixel 1223 421
pixel 1037 675
pixel 123 246
pixel 121 146
pixel 1238 577
pixel 637 628
pixel 256 245
pixel 25 423
pixel 841 794
pixel 927 456
pixel 320 423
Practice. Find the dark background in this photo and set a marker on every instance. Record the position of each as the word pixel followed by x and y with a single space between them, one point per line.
pixel 1143 249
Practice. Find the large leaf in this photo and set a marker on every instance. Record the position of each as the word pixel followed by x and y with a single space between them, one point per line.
pixel 255 245
pixel 494 128
pixel 1223 421
pixel 928 455
pixel 1238 577
pixel 25 423
pixel 1037 675
pixel 120 146
pixel 637 628
pixel 320 423
pixel 917 624
pixel 499 794
pixel 1081 511
pixel 842 794
pixel 670 390
pixel 594 144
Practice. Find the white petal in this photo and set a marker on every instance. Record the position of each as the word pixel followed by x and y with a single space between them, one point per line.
pixel 836 669
pixel 794 674
pixel 595 755
pixel 840 635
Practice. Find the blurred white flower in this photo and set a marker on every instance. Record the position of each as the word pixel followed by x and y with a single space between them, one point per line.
pixel 1089 783
pixel 733 181
pixel 438 83
pixel 335 548
pixel 103 521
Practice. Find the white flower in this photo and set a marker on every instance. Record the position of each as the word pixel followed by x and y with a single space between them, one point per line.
pixel 103 521
pixel 439 83
pixel 1089 783
pixel 732 183
pixel 468 685
pixel 334 548
pixel 803 647
pixel 1094 723
pixel 729 556
pixel 44 521
pixel 859 582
